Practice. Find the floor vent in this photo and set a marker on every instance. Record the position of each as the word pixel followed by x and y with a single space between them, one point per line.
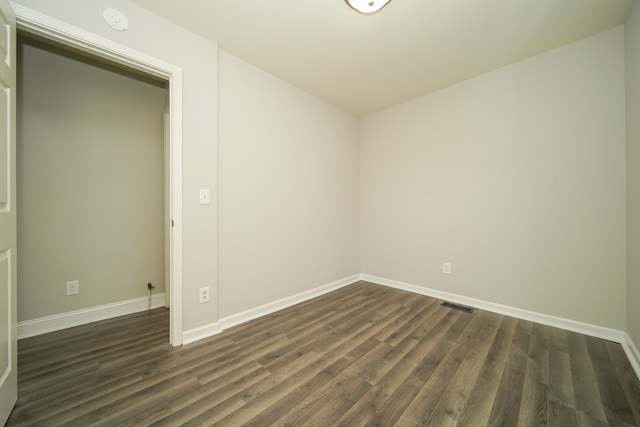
pixel 457 307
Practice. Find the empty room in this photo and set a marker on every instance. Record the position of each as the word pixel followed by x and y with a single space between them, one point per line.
pixel 342 212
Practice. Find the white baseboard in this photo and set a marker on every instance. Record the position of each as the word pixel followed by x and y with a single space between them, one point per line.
pixel 614 335
pixel 570 325
pixel 632 353
pixel 42 325
pixel 545 319
pixel 200 333
pixel 254 313
pixel 263 310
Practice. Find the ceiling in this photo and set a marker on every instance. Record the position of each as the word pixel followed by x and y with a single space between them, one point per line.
pixel 365 63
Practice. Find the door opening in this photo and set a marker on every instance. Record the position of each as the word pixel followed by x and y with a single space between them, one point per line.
pixel 59 32
pixel 91 179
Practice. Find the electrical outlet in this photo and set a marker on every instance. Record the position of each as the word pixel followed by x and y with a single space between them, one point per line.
pixel 204 295
pixel 73 287
pixel 446 267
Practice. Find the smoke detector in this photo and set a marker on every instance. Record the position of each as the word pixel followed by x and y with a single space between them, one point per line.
pixel 115 19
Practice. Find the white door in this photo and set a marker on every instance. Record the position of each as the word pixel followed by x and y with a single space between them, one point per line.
pixel 8 230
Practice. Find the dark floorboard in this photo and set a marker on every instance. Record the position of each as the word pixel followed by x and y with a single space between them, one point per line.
pixel 361 355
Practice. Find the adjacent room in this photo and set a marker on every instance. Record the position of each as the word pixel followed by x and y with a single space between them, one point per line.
pixel 91 144
pixel 422 214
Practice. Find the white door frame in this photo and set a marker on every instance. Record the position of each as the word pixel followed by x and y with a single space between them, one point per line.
pixel 42 25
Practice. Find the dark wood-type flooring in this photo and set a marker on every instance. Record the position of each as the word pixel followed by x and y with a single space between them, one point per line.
pixel 362 355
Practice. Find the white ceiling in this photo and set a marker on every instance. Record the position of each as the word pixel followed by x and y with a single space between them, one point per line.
pixel 363 64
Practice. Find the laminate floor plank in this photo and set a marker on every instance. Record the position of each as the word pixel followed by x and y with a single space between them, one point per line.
pixel 433 389
pixel 533 409
pixel 411 385
pixel 534 401
pixel 363 355
pixel 192 404
pixel 561 416
pixel 267 400
pixel 413 306
pixel 538 358
pixel 585 384
pixel 614 401
pixel 362 411
pixel 405 366
pixel 560 374
pixel 340 350
pixel 506 407
pixel 454 398
pixel 410 326
pixel 344 389
pixel 628 379
pixel 478 408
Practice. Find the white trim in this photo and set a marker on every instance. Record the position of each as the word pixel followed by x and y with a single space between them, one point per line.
pixel 615 335
pixel 43 325
pixel 202 332
pixel 263 310
pixel 254 313
pixel 175 209
pixel 50 28
pixel 632 353
pixel 36 23
pixel 545 319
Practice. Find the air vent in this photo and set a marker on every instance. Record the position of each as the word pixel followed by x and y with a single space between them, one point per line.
pixel 457 307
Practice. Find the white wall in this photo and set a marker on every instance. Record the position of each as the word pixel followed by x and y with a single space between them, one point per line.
pixel 288 189
pixel 197 57
pixel 90 179
pixel 632 28
pixel 516 177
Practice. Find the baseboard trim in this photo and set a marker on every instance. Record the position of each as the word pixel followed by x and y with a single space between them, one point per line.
pixel 632 352
pixel 225 323
pixel 263 310
pixel 621 337
pixel 615 335
pixel 200 333
pixel 545 319
pixel 43 325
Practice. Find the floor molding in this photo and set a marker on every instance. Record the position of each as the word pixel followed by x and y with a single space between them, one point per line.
pixel 632 352
pixel 43 325
pixel 263 310
pixel 615 335
pixel 558 322
pixel 200 333
pixel 225 323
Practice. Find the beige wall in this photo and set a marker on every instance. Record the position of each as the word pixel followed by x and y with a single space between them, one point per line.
pixel 90 180
pixel 197 58
pixel 288 189
pixel 632 28
pixel 516 177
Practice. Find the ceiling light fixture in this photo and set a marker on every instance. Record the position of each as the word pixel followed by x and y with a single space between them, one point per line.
pixel 367 6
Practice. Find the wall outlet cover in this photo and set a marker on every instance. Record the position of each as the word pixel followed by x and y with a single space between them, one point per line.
pixel 203 295
pixel 446 267
pixel 73 287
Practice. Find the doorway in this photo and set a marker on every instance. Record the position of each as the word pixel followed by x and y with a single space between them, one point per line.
pixel 113 53
pixel 90 165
